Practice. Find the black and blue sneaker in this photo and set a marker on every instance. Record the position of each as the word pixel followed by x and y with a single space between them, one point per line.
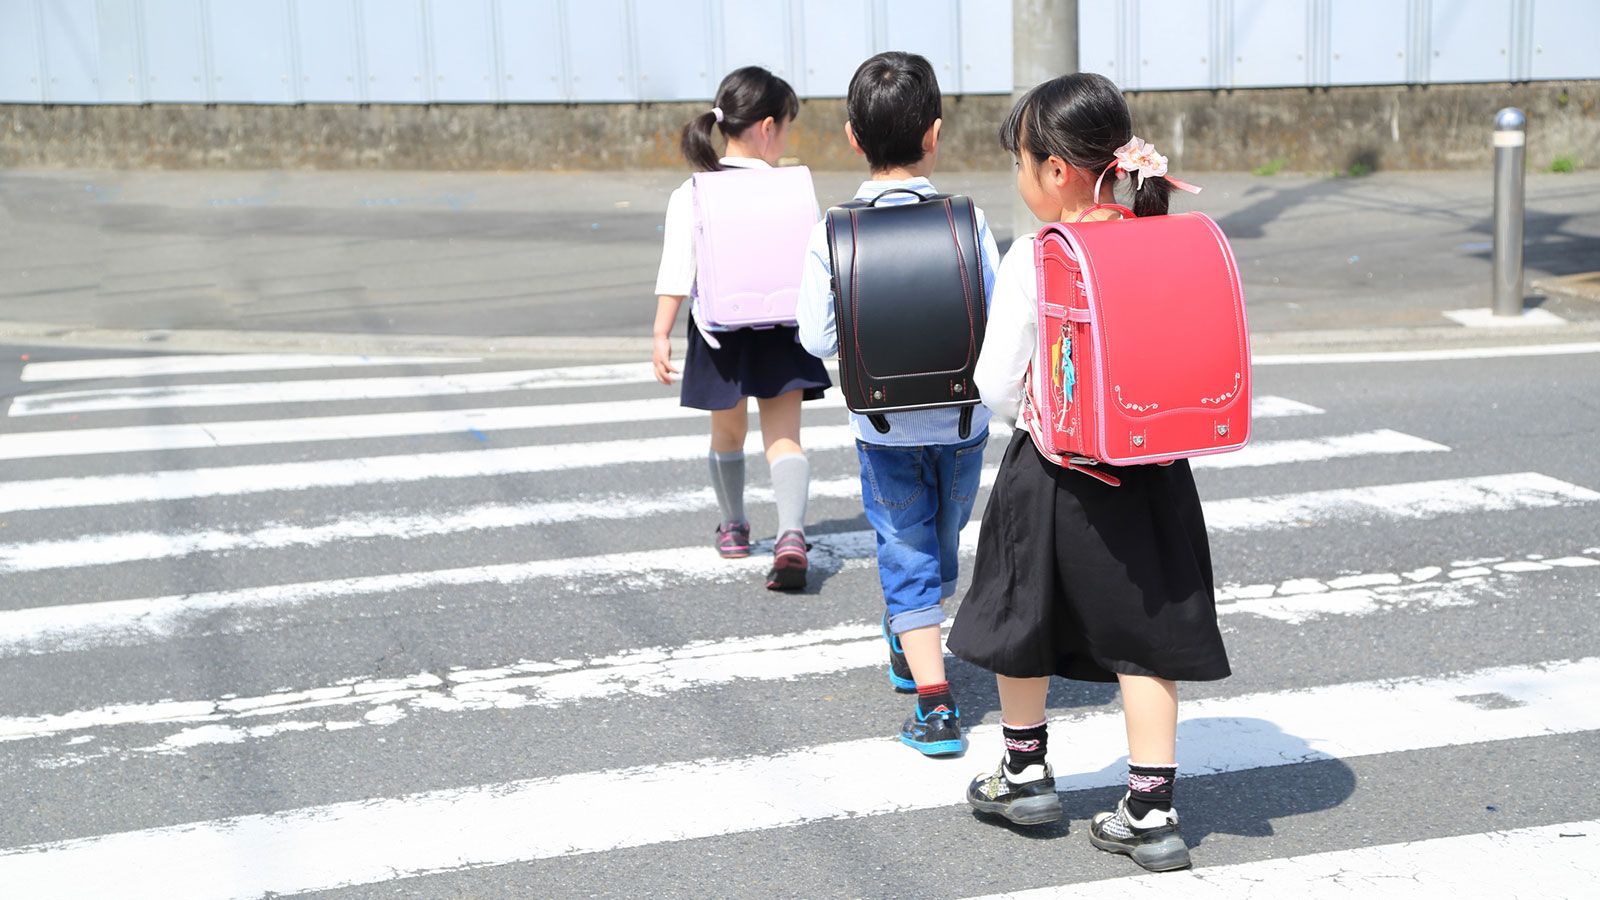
pixel 899 669
pixel 936 732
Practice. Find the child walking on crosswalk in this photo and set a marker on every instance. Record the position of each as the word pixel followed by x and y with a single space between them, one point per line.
pixel 1076 577
pixel 753 109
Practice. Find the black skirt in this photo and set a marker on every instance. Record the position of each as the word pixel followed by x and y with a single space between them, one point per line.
pixel 1077 578
pixel 766 362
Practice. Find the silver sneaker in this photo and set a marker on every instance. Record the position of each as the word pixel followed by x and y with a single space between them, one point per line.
pixel 1153 841
pixel 1026 798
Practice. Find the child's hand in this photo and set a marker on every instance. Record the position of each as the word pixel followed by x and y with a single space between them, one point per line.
pixel 661 360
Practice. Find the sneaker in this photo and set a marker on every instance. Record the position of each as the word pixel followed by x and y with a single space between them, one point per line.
pixel 936 734
pixel 1027 798
pixel 899 669
pixel 733 540
pixel 789 562
pixel 1152 842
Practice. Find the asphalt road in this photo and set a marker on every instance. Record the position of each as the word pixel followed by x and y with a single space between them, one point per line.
pixel 489 653
pixel 561 254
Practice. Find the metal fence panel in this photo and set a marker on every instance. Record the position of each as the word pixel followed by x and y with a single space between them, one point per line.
pixel 175 69
pixel 119 62
pixel 250 52
pixel 462 43
pixel 71 54
pixel 19 54
pixel 1472 40
pixel 836 36
pixel 1172 46
pixel 1271 43
pixel 673 45
pixel 985 43
pixel 599 51
pixel 532 51
pixel 928 27
pixel 756 33
pixel 1368 43
pixel 330 61
pixel 1100 40
pixel 394 49
pixel 1566 39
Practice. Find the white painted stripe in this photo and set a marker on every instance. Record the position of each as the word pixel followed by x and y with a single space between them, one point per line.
pixel 145 438
pixel 1454 353
pixel 657 671
pixel 230 481
pixel 1397 502
pixel 53 629
pixel 147 366
pixel 260 392
pixel 1545 861
pixel 384 839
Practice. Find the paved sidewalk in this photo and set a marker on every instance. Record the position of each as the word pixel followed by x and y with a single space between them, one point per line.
pixel 266 256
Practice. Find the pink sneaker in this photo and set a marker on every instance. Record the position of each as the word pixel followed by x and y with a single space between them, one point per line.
pixel 733 540
pixel 789 562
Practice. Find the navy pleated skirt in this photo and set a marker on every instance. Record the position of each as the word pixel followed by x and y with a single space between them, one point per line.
pixel 767 362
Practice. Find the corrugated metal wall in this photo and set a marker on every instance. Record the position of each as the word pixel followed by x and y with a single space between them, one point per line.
pixel 542 51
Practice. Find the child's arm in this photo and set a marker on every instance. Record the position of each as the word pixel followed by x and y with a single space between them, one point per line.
pixel 674 279
pixel 1008 343
pixel 813 310
pixel 661 349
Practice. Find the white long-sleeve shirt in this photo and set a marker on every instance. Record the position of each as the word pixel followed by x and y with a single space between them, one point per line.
pixel 819 332
pixel 1012 334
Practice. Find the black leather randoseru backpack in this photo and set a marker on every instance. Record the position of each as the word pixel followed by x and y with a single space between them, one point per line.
pixel 909 303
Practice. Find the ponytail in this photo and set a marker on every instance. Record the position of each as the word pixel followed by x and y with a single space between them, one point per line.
pixel 696 143
pixel 1152 198
pixel 745 97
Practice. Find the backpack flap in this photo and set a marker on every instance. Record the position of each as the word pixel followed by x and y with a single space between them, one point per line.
pixel 909 304
pixel 752 227
pixel 1170 366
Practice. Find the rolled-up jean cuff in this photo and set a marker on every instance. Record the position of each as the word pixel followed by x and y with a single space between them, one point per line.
pixel 916 618
pixel 947 590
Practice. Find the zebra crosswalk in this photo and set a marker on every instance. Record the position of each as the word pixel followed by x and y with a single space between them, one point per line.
pixel 284 624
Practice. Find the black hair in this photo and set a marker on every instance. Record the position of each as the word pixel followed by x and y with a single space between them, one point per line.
pixel 893 101
pixel 1083 119
pixel 746 97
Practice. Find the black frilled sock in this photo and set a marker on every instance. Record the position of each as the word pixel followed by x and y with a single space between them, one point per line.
pixel 1025 746
pixel 1150 787
pixel 932 697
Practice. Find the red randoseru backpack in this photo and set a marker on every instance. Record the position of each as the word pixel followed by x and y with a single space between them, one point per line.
pixel 1143 353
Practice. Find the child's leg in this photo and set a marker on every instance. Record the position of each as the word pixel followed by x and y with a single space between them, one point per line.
pixel 1150 710
pixel 726 462
pixel 900 497
pixel 1022 789
pixel 791 473
pixel 1143 825
pixel 960 473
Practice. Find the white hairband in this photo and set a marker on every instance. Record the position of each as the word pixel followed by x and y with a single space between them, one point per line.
pixel 717 111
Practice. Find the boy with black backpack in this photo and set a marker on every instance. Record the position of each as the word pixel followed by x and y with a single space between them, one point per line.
pixel 920 469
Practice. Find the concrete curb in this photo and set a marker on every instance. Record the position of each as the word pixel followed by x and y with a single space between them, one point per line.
pixel 627 348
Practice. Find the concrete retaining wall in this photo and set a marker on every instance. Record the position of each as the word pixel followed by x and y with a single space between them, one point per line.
pixel 1318 130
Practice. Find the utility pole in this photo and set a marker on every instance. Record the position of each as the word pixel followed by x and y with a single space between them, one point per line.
pixel 1044 44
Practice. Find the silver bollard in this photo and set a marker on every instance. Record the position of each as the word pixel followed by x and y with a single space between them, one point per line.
pixel 1510 138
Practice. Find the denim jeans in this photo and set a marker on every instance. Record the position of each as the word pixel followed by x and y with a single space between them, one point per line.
pixel 917 500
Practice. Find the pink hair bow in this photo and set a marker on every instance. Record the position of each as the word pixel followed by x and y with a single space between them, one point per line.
pixel 1140 156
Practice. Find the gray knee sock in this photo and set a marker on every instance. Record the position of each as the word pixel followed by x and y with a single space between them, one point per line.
pixel 791 483
pixel 727 479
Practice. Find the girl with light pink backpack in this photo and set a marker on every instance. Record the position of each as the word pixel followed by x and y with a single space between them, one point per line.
pixel 734 241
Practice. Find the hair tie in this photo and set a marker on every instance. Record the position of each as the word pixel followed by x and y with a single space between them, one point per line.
pixel 717 112
pixel 1140 156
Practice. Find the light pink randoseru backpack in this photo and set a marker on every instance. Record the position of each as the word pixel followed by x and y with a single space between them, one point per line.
pixel 751 231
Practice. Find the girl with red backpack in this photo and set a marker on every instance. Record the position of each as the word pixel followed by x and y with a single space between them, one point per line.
pixel 1076 576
